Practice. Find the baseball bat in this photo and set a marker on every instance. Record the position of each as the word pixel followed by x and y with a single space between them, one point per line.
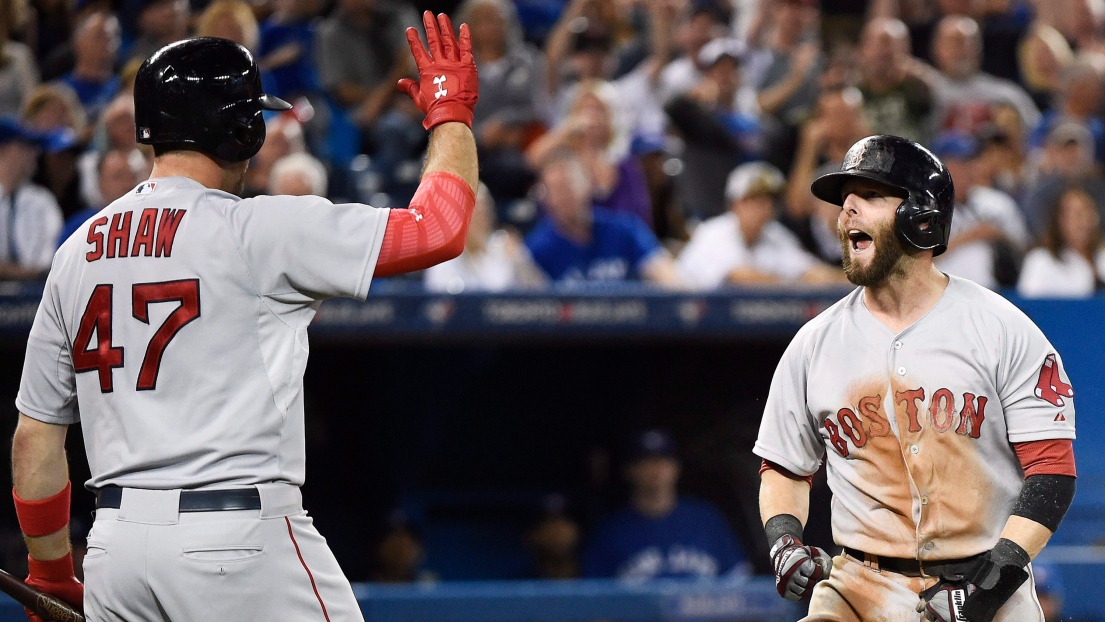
pixel 49 608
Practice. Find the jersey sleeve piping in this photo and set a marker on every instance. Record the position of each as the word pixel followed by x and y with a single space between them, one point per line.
pixel 1041 435
pixel 788 464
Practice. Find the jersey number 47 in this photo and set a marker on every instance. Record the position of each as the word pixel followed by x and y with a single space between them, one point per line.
pixel 104 357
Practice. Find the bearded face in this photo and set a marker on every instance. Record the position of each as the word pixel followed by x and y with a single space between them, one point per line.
pixel 872 253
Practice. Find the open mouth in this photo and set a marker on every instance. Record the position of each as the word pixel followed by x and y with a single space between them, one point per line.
pixel 860 240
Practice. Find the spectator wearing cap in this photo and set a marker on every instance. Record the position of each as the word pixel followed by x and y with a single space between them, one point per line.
pixel 594 132
pixel 964 93
pixel 30 218
pixel 575 241
pixel 18 73
pixel 747 244
pixel 718 124
pixel 786 69
pixel 493 259
pixel 96 41
pixel 697 26
pixel 1078 100
pixel 1067 157
pixel 513 98
pixel 661 534
pixel 897 96
pixel 160 22
pixel 1070 260
pixel 117 172
pixel 988 231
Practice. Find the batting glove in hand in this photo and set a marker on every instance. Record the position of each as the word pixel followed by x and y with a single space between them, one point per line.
pixel 979 591
pixel 798 567
pixel 447 86
pixel 55 577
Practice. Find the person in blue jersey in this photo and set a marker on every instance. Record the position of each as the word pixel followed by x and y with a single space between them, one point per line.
pixel 577 241
pixel 661 534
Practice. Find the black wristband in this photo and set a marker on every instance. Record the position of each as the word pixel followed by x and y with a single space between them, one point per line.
pixel 1009 553
pixel 1045 499
pixel 782 525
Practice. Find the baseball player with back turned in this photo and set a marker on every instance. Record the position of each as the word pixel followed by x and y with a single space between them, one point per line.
pixel 943 414
pixel 173 326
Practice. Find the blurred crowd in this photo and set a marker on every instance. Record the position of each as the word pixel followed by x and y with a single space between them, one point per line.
pixel 665 141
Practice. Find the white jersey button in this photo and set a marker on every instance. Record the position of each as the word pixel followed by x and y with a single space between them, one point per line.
pixel 928 546
pixel 901 371
pixel 897 345
pixel 913 449
pixel 924 500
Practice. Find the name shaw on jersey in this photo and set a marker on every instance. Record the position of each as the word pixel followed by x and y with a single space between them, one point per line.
pixel 152 236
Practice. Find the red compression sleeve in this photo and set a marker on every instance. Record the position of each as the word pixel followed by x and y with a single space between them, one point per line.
pixel 1047 457
pixel 43 517
pixel 431 230
pixel 771 466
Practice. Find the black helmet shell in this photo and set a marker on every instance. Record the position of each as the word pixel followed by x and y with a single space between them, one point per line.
pixel 924 219
pixel 203 94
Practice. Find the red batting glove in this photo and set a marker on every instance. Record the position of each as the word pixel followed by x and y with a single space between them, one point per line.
pixel 55 577
pixel 448 87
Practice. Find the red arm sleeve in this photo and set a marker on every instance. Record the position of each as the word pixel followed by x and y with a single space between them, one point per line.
pixel 431 230
pixel 1047 457
pixel 771 466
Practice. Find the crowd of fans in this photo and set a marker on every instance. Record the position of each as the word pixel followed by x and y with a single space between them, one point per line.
pixel 666 141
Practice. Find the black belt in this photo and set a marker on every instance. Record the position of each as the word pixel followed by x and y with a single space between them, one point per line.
pixel 193 500
pixel 914 567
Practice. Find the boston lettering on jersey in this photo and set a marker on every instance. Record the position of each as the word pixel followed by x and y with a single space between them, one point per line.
pixel 943 411
pixel 152 237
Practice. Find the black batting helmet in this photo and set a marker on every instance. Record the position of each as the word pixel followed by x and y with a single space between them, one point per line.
pixel 924 219
pixel 202 94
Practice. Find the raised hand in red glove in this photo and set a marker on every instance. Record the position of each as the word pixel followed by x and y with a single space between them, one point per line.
pixel 56 578
pixel 447 86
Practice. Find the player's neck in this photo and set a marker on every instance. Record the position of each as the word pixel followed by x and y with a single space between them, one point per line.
pixel 197 167
pixel 655 503
pixel 902 300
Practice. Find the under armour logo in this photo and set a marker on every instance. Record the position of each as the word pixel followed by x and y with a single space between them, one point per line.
pixel 440 81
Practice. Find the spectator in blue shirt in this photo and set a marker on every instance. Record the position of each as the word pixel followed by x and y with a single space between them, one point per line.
pixel 287 49
pixel 576 241
pixel 660 534
pixel 96 42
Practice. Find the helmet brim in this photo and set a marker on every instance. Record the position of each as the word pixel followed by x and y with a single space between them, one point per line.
pixel 271 102
pixel 829 186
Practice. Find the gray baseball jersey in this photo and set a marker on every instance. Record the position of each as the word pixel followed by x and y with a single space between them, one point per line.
pixel 173 326
pixel 916 427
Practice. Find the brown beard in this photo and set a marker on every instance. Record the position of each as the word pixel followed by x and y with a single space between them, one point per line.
pixel 889 253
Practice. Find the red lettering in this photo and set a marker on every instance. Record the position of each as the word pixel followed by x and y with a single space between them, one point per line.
pixel 143 237
pixel 852 427
pixel 910 398
pixel 166 231
pixel 942 402
pixel 837 441
pixel 118 235
pixel 871 407
pixel 96 239
pixel 974 416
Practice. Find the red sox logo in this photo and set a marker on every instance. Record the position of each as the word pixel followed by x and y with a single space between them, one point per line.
pixel 1050 387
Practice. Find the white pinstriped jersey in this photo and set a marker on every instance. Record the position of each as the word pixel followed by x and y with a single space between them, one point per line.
pixel 173 326
pixel 916 427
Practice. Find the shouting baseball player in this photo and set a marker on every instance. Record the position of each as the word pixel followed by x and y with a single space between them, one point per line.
pixel 173 327
pixel 943 414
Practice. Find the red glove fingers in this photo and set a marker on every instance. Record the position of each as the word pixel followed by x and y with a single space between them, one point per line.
pixel 448 85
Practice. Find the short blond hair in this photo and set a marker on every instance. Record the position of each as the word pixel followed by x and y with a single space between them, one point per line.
pixel 237 10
